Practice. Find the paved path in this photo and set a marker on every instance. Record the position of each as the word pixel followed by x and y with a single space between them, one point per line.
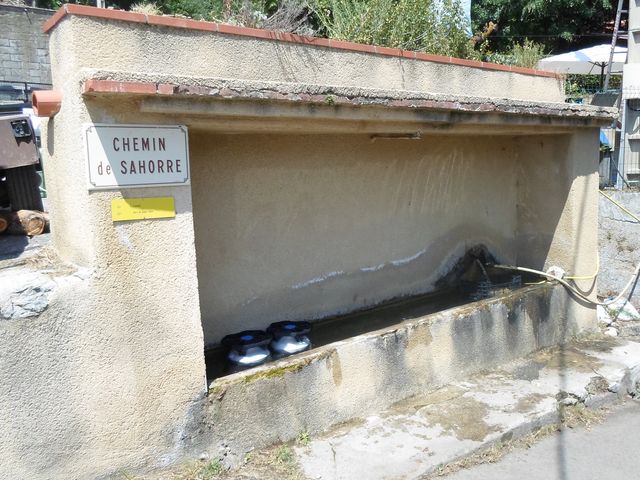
pixel 610 451
pixel 413 437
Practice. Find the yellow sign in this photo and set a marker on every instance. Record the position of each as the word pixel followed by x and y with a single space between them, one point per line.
pixel 142 208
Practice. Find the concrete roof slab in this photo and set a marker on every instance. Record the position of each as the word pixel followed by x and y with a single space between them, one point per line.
pixel 215 97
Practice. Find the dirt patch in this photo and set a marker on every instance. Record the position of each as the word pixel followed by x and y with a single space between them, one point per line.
pixel 494 453
pixel 597 385
pixel 577 416
pixel 580 415
pixel 457 414
pixel 528 403
pixel 275 463
pixel 567 358
pixel 600 343
pixel 417 402
pixel 449 408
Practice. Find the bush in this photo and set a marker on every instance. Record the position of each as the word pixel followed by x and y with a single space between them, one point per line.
pixel 423 25
pixel 582 85
pixel 147 8
pixel 527 54
pixel 283 15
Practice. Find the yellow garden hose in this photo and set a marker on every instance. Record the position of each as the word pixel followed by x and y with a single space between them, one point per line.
pixel 570 287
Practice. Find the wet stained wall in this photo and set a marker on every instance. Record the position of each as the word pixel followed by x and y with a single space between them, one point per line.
pixel 305 226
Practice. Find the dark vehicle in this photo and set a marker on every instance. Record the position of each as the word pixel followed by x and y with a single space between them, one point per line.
pixel 20 164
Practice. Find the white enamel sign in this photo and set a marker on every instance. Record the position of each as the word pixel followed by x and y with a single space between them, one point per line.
pixel 126 156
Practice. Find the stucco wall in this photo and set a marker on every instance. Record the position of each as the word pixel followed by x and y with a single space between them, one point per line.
pixel 95 385
pixel 90 386
pixel 558 210
pixel 557 201
pixel 24 48
pixel 170 51
pixel 295 226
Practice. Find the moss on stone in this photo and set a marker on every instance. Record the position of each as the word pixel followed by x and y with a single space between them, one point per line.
pixel 274 372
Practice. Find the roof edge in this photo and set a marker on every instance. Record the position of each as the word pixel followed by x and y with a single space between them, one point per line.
pixel 336 96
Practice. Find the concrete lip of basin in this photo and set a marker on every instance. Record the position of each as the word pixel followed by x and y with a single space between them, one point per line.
pixel 329 334
pixel 358 376
pixel 347 327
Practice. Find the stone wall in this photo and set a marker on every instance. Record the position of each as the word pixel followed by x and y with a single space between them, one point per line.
pixel 24 48
pixel 619 244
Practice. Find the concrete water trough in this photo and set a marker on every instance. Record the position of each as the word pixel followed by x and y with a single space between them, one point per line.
pixel 471 278
pixel 353 377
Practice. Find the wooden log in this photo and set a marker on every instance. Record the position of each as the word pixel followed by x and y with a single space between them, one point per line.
pixel 47 223
pixel 27 222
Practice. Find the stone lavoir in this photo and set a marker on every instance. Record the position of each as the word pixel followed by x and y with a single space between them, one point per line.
pixel 321 179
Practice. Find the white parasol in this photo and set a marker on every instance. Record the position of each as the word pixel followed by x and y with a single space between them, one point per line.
pixel 587 61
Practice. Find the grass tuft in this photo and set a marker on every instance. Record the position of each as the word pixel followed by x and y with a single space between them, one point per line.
pixel 304 438
pixel 284 455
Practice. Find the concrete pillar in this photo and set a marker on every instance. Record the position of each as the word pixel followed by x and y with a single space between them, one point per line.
pixel 560 170
pixel 111 375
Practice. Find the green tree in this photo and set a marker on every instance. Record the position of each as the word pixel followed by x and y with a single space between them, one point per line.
pixel 559 25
